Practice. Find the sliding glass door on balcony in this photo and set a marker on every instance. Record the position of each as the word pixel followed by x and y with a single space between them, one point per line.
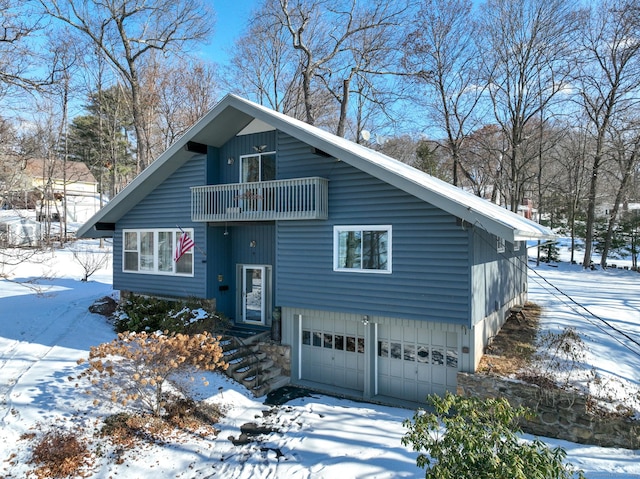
pixel 260 167
pixel 254 169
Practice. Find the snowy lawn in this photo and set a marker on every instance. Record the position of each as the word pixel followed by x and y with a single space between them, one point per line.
pixel 42 334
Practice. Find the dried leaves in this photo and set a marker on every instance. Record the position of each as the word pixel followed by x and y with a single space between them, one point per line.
pixel 135 366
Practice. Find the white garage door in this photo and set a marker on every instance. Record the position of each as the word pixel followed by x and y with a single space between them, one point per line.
pixel 333 352
pixel 416 362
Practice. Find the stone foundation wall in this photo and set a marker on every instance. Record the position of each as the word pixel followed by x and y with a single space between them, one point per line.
pixel 280 353
pixel 560 414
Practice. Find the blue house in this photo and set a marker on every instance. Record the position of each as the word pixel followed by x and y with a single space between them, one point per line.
pixel 389 281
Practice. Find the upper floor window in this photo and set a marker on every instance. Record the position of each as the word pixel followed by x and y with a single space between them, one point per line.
pixel 362 248
pixel 151 252
pixel 500 244
pixel 260 167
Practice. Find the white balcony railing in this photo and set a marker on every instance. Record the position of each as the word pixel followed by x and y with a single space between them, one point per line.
pixel 294 199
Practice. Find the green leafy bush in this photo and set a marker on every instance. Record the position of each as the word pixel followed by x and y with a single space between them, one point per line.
pixel 143 313
pixel 470 438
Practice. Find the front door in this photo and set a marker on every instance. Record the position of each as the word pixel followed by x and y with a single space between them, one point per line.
pixel 253 294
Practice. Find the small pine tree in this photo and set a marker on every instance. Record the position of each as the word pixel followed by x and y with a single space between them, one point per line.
pixel 136 366
pixel 470 438
pixel 550 253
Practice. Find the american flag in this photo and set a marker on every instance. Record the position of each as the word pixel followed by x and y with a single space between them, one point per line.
pixel 185 243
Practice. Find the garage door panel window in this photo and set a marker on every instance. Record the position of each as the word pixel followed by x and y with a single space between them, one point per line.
pixel 417 353
pixel 383 349
pixel 437 357
pixel 410 352
pixel 452 358
pixel 423 354
pixel 362 249
pixel 350 344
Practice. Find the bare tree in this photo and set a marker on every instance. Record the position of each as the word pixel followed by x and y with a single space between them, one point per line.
pixel 568 179
pixel 264 67
pixel 338 41
pixel 21 65
pixel 63 50
pixel 525 46
pixel 440 53
pixel 126 32
pixel 90 260
pixel 481 159
pixel 609 83
pixel 626 148
pixel 183 92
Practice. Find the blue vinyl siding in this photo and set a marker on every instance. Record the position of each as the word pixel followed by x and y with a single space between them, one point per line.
pixel 168 206
pixel 239 146
pixel 497 278
pixel 430 278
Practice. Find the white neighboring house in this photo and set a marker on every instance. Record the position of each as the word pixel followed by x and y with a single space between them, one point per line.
pixel 19 230
pixel 73 184
pixel 604 209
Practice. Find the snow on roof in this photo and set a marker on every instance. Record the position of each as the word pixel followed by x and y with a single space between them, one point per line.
pixel 478 210
pixel 233 114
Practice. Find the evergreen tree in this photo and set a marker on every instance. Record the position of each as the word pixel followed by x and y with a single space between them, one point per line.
pixel 101 139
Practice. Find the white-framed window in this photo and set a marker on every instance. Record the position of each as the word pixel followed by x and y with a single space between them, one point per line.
pixel 365 249
pixel 500 245
pixel 516 246
pixel 151 251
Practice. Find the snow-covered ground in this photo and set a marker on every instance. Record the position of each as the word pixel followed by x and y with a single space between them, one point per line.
pixel 45 328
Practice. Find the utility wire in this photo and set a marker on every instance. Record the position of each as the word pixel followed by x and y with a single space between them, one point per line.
pixel 592 314
pixel 581 306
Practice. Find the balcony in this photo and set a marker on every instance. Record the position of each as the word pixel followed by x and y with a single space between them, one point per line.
pixel 295 199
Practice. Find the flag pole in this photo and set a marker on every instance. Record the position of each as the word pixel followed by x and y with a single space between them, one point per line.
pixel 194 243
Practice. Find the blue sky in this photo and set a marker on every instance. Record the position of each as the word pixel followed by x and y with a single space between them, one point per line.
pixel 231 17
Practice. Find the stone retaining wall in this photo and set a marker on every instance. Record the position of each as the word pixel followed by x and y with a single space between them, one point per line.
pixel 279 353
pixel 560 414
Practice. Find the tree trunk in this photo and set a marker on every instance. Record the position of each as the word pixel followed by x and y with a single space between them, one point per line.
pixel 626 176
pixel 344 107
pixel 591 212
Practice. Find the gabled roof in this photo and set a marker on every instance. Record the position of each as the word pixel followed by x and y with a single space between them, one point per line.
pixel 232 114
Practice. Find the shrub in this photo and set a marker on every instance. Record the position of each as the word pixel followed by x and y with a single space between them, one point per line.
pixel 59 454
pixel 559 359
pixel 187 414
pixel 141 313
pixel 91 261
pixel 470 438
pixel 136 366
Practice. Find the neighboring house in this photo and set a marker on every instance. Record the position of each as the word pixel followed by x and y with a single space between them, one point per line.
pixel 603 210
pixel 389 281
pixel 17 230
pixel 55 182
